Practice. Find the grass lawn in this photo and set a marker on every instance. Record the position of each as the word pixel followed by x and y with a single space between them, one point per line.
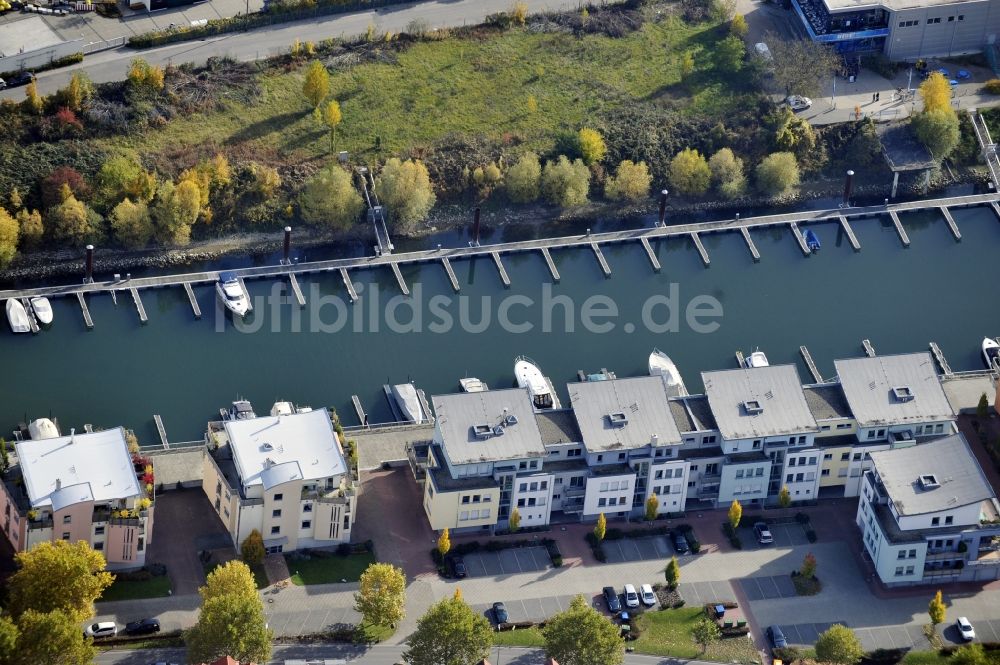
pixel 369 634
pixel 155 587
pixel 524 637
pixel 173 640
pixel 924 658
pixel 329 569
pixel 259 574
pixel 472 86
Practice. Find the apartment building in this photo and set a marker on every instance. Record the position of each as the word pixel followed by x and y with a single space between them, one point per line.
pixel 78 487
pixel 927 514
pixel 283 475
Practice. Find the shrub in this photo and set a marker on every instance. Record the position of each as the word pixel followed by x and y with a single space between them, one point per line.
pixel 811 535
pixel 992 87
pixel 405 188
pixel 591 145
pixel 519 12
pixel 787 654
pixel 330 199
pixel 727 173
pixel 344 549
pixel 689 173
pixel 566 183
pixel 523 179
pixel 630 182
pixel 938 129
pixel 778 173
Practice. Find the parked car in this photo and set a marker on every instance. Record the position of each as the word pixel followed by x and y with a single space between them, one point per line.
pixel 798 102
pixel 648 597
pixel 142 627
pixel 965 629
pixel 20 78
pixel 776 637
pixel 631 597
pixel 611 598
pixel 101 629
pixel 500 613
pixel 680 542
pixel 763 534
pixel 457 565
pixel 3 84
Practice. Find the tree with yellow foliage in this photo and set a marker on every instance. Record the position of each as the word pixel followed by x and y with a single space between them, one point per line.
pixel 317 84
pixel 9 231
pixel 331 117
pixel 936 92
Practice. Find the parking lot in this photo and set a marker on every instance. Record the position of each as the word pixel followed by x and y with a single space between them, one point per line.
pixel 774 586
pixel 637 549
pixel 507 562
pixel 535 609
pixel 891 637
pixel 785 535
pixel 699 593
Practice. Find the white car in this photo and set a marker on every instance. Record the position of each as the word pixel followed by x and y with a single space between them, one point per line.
pixel 101 629
pixel 631 597
pixel 965 629
pixel 798 102
pixel 648 597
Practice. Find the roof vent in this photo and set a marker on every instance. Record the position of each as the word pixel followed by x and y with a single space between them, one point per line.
pixel 509 419
pixel 753 407
pixel 928 481
pixel 482 431
pixel 266 446
pixel 903 393
pixel 268 462
pixel 617 419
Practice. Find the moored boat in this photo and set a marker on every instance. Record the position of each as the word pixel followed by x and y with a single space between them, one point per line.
pixel 231 294
pixel 240 410
pixel 539 387
pixel 471 384
pixel 17 316
pixel 756 359
pixel 812 240
pixel 408 402
pixel 660 364
pixel 42 309
pixel 991 352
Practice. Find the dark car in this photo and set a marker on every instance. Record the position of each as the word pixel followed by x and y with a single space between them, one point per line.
pixel 142 627
pixel 500 613
pixel 20 78
pixel 680 542
pixel 776 637
pixel 458 567
pixel 611 598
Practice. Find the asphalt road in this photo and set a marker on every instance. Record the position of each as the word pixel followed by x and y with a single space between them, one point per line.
pixel 113 65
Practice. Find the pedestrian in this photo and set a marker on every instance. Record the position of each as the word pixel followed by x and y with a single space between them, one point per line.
pixel 878 96
pixel 873 98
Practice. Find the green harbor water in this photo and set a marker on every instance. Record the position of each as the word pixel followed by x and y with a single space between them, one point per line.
pixel 123 372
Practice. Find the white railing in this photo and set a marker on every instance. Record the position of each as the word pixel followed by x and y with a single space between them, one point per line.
pixel 986 144
pixel 103 45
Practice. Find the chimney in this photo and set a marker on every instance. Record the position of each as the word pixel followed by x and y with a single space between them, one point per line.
pixel 89 276
pixel 58 483
pixel 288 242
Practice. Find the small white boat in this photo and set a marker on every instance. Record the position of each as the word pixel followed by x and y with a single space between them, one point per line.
pixel 17 317
pixel 42 428
pixel 282 409
pixel 756 359
pixel 231 294
pixel 408 402
pixel 240 410
pixel 660 364
pixel 529 376
pixel 991 352
pixel 471 384
pixel 42 309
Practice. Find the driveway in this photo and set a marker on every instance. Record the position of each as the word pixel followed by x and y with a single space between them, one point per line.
pixel 785 535
pixel 507 562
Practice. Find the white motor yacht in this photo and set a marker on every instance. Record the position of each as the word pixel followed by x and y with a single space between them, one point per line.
pixel 240 410
pixel 991 352
pixel 660 364
pixel 231 294
pixel 282 409
pixel 529 376
pixel 42 428
pixel 756 359
pixel 471 384
pixel 408 401
pixel 42 309
pixel 17 316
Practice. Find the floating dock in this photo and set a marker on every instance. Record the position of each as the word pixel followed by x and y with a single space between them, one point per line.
pixel 161 430
pixel 951 222
pixel 899 228
pixel 996 208
pixel 138 305
pixel 503 271
pixel 650 253
pixel 246 294
pixel 753 248
pixel 740 360
pixel 811 364
pixel 941 360
pixel 800 239
pixel 600 259
pixel 866 344
pixel 701 249
pixel 853 239
pixel 89 322
pixel 349 284
pixel 195 307
pixel 296 290
pixel 32 319
pixel 360 411
pixel 399 278
pixel 550 263
pixel 451 274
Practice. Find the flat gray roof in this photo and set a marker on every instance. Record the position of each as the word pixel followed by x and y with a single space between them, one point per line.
pixel 758 402
pixel 949 461
pixel 558 426
pixel 692 414
pixel 827 401
pixel 895 389
pixel 458 415
pixel 623 413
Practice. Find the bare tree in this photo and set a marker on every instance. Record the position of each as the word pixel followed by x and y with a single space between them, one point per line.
pixel 800 66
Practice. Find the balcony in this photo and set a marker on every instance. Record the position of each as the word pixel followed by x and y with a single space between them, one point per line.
pixel 574 491
pixel 44 522
pixel 339 495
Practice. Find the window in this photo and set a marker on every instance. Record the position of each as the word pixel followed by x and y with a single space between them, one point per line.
pixel 544 485
pixel 812 460
pixel 602 502
pixel 694 467
pixel 938 429
pixel 824 473
pixel 825 428
pixel 603 487
pixel 857 457
pixel 950 19
pixel 99 546
pixel 308 508
pixel 912 554
pixel 65 535
pixel 531 501
pixel 622 500
pixel 827 457
pixel 739 473
pixel 899 571
pixel 67 519
pixel 275 530
pixel 799 477
pixel 961 17
pixel 935 521
pixel 842 473
pixel 485 513
pixel 790 478
pixel 276 513
pixel 600 458
pixel 218 488
pixel 760 471
pixel 802 439
pixel 279 497
pixel 520 503
pixel 881 433
pixel 476 498
pixel 522 466
pixel 791 461
pixel 465 499
pixel 658 475
pixel 559 481
pixel 871 434
pixel 845 456
pixel 909 570
pixel 99 531
pixel 901 554
pixel 533 487
pixel 307 524
pixel 949 519
pixel 756 445
pixel 621 456
pixel 934 20
pixel 140 545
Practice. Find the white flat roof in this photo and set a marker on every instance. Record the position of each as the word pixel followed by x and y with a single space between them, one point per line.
pixel 83 467
pixel 273 450
pixel 873 386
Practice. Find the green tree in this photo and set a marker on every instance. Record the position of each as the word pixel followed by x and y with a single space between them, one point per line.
pixel 141 74
pixel 566 183
pixel 51 637
pixel 405 188
pixel 729 54
pixel 706 632
pixel 514 523
pixel 808 569
pixel 652 507
pixel 330 199
pixel 983 408
pixel 630 182
pixel 838 644
pixel 591 145
pixel 970 654
pixel 73 221
pixel 231 620
pixel 937 129
pixel 9 232
pixel 444 543
pixel 936 93
pixel 450 633
pixel 738 26
pixel 801 66
pixel 727 173
pixel 794 134
pixel 689 173
pixel 317 84
pixel 252 549
pixel 673 573
pixel 778 173
pixel 735 513
pixel 58 575
pixel 79 90
pixel 175 210
pixel 523 179
pixel 936 609
pixel 331 117
pixel 122 176
pixel 784 497
pixel 601 528
pixel 583 636
pixel 381 596
pixel 31 227
pixel 131 224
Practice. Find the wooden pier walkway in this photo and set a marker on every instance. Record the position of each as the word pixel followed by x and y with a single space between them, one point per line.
pixel 161 430
pixel 811 364
pixel 246 294
pixel 296 290
pixel 195 307
pixel 996 208
pixel 349 284
pixel 846 225
pixel 951 222
pixel 451 274
pixel 504 277
pixel 753 248
pixel 550 263
pixel 701 249
pixel 600 259
pixel 941 360
pixel 800 239
pixel 899 228
pixel 650 253
pixel 32 319
pixel 89 322
pixel 399 278
pixel 869 349
pixel 740 359
pixel 138 305
pixel 360 411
